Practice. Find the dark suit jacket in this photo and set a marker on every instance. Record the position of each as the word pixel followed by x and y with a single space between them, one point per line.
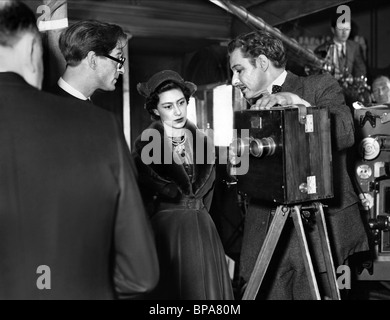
pixel 346 229
pixel 57 90
pixel 68 200
pixel 103 99
pixel 353 58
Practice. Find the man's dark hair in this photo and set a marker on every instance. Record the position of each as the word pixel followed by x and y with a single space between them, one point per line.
pixel 16 18
pixel 333 20
pixel 89 35
pixel 260 42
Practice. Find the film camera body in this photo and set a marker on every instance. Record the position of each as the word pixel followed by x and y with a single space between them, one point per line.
pixel 372 172
pixel 289 151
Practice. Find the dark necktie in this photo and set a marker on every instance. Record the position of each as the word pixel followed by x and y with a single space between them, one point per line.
pixel 276 89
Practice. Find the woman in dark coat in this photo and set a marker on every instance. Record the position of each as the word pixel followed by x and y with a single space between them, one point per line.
pixel 176 168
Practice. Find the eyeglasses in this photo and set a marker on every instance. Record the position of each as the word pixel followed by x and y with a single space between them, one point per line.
pixel 121 60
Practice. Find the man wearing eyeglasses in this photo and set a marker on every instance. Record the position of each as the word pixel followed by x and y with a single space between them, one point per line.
pixel 93 52
pixel 347 55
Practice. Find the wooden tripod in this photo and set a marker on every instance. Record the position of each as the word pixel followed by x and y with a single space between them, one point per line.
pixel 271 240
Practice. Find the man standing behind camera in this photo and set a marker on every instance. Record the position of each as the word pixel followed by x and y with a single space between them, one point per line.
pixel 258 62
pixel 72 221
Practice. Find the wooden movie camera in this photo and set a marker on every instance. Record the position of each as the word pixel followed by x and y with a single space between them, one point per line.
pixel 289 150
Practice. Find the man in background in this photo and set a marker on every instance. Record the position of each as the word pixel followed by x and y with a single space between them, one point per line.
pixel 345 54
pixel 381 89
pixel 72 221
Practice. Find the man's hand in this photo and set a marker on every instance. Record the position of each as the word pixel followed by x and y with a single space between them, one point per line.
pixel 267 101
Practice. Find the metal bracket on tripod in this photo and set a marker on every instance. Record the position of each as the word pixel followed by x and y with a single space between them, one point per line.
pixel 271 240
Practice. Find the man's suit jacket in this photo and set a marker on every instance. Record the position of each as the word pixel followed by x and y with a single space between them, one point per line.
pixel 57 90
pixel 346 229
pixel 353 59
pixel 68 200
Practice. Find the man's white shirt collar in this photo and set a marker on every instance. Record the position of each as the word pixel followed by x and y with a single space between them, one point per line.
pixel 278 81
pixel 69 89
pixel 341 46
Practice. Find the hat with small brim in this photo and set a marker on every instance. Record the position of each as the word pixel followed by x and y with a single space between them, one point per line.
pixel 147 88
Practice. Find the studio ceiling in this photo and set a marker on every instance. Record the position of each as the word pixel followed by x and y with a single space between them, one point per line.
pixel 192 19
pixel 185 25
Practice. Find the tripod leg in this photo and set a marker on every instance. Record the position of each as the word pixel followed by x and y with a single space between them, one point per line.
pixel 266 253
pixel 331 275
pixel 296 215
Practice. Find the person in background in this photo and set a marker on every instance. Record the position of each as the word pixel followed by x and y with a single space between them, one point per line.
pixel 380 290
pixel 93 52
pixel 178 177
pixel 258 61
pixel 347 56
pixel 72 220
pixel 381 89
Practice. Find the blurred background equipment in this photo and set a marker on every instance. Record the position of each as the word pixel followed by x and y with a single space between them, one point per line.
pixel 372 171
